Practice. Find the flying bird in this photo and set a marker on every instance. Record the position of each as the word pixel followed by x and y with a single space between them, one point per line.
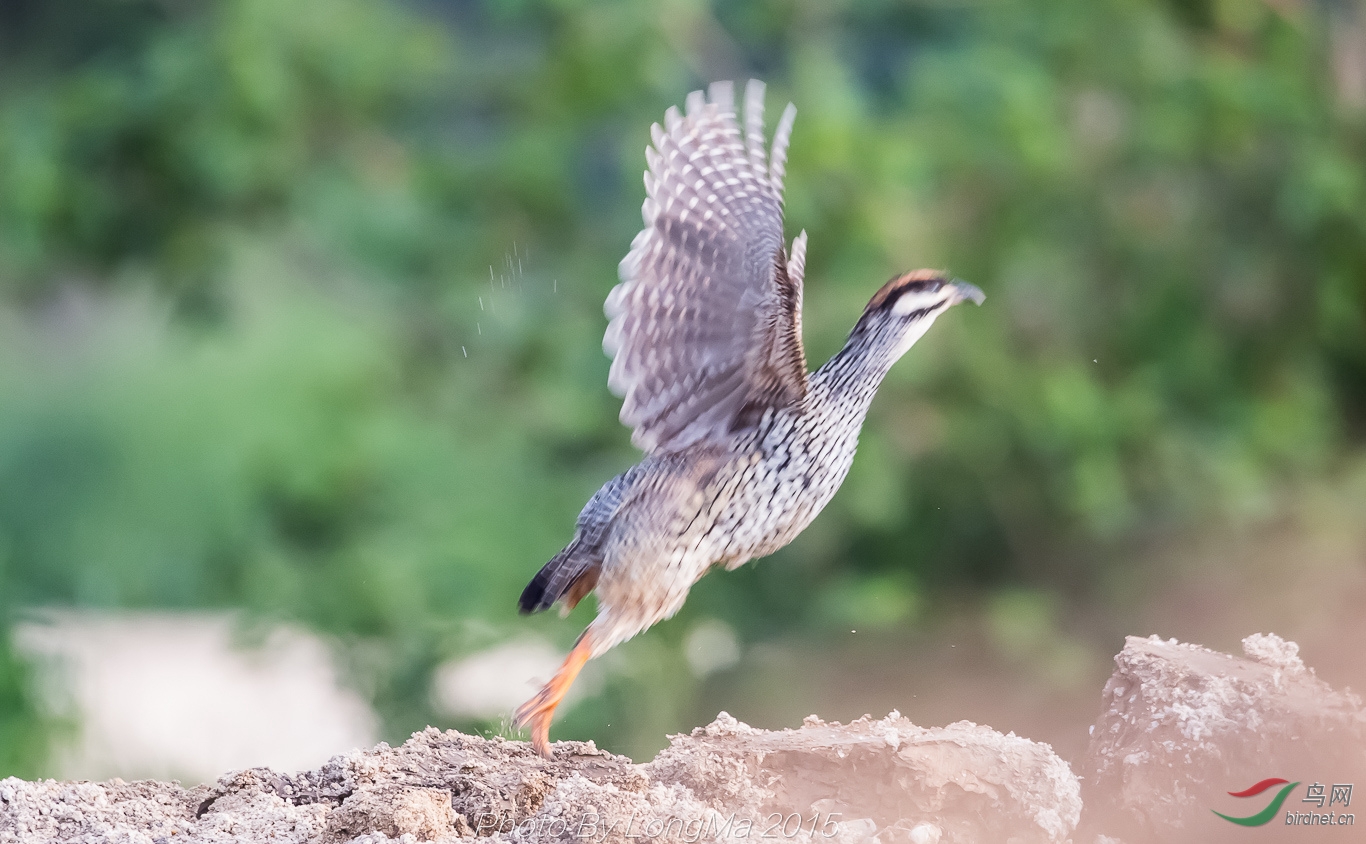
pixel 743 447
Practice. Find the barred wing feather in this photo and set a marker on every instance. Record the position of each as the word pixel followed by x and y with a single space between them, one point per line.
pixel 704 327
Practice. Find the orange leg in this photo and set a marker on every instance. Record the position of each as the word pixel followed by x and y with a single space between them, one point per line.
pixel 537 712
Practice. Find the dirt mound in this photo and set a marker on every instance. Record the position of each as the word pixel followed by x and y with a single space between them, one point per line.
pixel 1181 727
pixel 1185 726
pixel 822 782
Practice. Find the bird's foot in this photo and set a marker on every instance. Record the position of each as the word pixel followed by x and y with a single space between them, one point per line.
pixel 538 712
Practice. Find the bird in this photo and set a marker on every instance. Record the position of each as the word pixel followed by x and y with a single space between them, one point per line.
pixel 743 447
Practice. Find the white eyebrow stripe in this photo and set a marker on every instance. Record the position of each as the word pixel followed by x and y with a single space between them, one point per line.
pixel 911 302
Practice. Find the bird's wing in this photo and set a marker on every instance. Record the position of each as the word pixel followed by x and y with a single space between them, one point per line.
pixel 705 326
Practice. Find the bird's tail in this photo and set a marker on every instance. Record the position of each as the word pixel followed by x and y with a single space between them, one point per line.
pixel 570 574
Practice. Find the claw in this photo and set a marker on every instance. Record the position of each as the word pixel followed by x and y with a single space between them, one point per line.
pixel 538 712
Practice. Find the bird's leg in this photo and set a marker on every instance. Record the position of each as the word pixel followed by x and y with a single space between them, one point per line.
pixel 537 712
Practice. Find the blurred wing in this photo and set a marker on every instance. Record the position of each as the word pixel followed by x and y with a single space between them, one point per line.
pixel 704 327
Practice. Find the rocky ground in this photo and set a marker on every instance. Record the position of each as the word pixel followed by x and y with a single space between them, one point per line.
pixel 1180 727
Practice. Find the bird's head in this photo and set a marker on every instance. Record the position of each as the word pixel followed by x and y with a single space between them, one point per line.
pixel 904 309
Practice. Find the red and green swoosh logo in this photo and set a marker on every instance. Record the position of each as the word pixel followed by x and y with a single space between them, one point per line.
pixel 1265 815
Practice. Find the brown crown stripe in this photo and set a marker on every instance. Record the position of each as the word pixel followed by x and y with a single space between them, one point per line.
pixel 901 282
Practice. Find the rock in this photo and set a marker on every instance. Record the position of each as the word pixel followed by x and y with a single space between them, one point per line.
pixel 914 784
pixel 424 813
pixel 1184 726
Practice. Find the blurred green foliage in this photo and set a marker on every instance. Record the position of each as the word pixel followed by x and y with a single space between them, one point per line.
pixel 300 303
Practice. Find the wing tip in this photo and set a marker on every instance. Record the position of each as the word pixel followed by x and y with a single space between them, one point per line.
pixel 694 103
pixel 754 91
pixel 722 95
pixel 782 136
pixel 754 122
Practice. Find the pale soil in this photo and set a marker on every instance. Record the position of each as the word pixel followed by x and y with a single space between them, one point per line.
pixel 1180 727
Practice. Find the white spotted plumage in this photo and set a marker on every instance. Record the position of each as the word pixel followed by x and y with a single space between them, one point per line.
pixel 743 447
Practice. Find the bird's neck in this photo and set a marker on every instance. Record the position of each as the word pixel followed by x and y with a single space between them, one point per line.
pixel 852 376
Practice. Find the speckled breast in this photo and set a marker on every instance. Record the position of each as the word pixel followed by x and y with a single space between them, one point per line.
pixel 779 481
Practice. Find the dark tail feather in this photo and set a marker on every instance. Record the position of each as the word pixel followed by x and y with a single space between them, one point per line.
pixel 555 579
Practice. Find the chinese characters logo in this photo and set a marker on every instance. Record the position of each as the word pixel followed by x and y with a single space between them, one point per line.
pixel 1317 793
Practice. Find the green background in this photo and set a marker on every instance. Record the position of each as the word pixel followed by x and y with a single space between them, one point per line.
pixel 300 313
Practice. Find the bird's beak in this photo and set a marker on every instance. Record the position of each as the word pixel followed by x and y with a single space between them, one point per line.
pixel 967 292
